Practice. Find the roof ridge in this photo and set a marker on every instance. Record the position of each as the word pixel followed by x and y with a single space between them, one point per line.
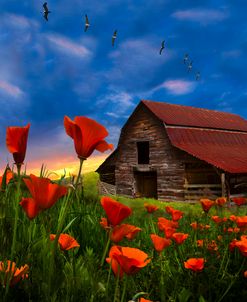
pixel 195 108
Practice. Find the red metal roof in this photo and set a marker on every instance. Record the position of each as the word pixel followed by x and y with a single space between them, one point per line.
pixel 180 115
pixel 224 149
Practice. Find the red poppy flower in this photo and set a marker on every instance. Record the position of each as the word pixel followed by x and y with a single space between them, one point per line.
pixel 200 242
pixel 16 141
pixel 176 214
pixel 150 207
pixel 126 260
pixel 160 243
pixel 220 201
pixel 169 232
pixel 115 211
pixel 239 200
pixel 88 135
pixel 65 241
pixel 241 221
pixel 194 225
pixel 232 245
pixel 9 176
pixel 195 264
pixel 163 222
pixel 124 230
pixel 15 275
pixel 104 223
pixel 179 237
pixel 245 274
pixel 44 195
pixel 144 300
pixel 242 246
pixel 206 204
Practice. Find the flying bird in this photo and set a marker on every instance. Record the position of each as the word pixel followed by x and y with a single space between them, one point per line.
pixel 186 58
pixel 198 76
pixel 46 11
pixel 86 23
pixel 190 66
pixel 162 46
pixel 114 37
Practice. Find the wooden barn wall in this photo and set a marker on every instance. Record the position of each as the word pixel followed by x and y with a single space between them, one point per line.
pixel 166 160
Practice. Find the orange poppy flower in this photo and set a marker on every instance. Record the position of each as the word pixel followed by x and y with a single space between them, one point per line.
pixel 16 141
pixel 65 241
pixel 242 246
pixel 44 195
pixel 150 207
pixel 104 223
pixel 163 222
pixel 239 200
pixel 169 232
pixel 144 300
pixel 160 243
pixel 126 260
pixel 194 225
pixel 220 201
pixel 241 221
pixel 15 275
pixel 115 211
pixel 9 176
pixel 232 245
pixel 195 264
pixel 124 230
pixel 206 204
pixel 245 274
pixel 176 214
pixel 179 237
pixel 200 242
pixel 88 135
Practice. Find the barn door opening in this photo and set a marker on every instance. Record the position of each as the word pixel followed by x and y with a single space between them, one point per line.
pixel 146 184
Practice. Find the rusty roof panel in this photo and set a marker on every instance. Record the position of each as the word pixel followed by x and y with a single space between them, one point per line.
pixel 224 149
pixel 172 114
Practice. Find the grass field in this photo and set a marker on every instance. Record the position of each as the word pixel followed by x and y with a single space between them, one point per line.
pixel 82 274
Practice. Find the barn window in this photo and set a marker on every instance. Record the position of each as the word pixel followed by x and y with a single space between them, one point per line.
pixel 143 152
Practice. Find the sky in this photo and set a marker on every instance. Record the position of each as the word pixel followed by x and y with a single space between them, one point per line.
pixel 52 69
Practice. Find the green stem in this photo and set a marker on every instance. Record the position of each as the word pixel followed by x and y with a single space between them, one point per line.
pixel 124 289
pixel 232 282
pixel 79 176
pixel 106 249
pixel 15 226
pixel 116 288
pixel 162 288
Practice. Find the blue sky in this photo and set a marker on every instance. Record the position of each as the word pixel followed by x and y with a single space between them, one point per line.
pixel 51 69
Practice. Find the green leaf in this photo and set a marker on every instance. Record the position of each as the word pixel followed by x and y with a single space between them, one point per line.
pixel 69 224
pixel 184 295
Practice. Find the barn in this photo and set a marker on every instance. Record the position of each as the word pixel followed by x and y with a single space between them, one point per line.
pixel 175 152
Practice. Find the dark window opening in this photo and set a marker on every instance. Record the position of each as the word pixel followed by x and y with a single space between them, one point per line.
pixel 143 152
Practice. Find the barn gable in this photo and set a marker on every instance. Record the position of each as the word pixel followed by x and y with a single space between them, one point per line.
pixel 163 149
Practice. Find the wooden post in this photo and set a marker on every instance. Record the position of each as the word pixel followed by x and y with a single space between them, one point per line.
pixel 223 185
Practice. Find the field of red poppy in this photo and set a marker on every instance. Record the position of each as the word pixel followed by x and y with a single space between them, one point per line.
pixel 60 241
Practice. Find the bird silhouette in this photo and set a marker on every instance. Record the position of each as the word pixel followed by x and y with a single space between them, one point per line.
pixel 162 46
pixel 186 58
pixel 198 76
pixel 46 11
pixel 86 23
pixel 114 37
pixel 190 66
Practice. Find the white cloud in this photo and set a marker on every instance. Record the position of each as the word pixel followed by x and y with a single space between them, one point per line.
pixel 64 44
pixel 177 87
pixel 10 89
pixel 19 21
pixel 203 16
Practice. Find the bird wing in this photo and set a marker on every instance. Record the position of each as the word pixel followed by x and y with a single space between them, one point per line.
pixel 46 16
pixel 86 19
pixel 45 6
pixel 163 44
